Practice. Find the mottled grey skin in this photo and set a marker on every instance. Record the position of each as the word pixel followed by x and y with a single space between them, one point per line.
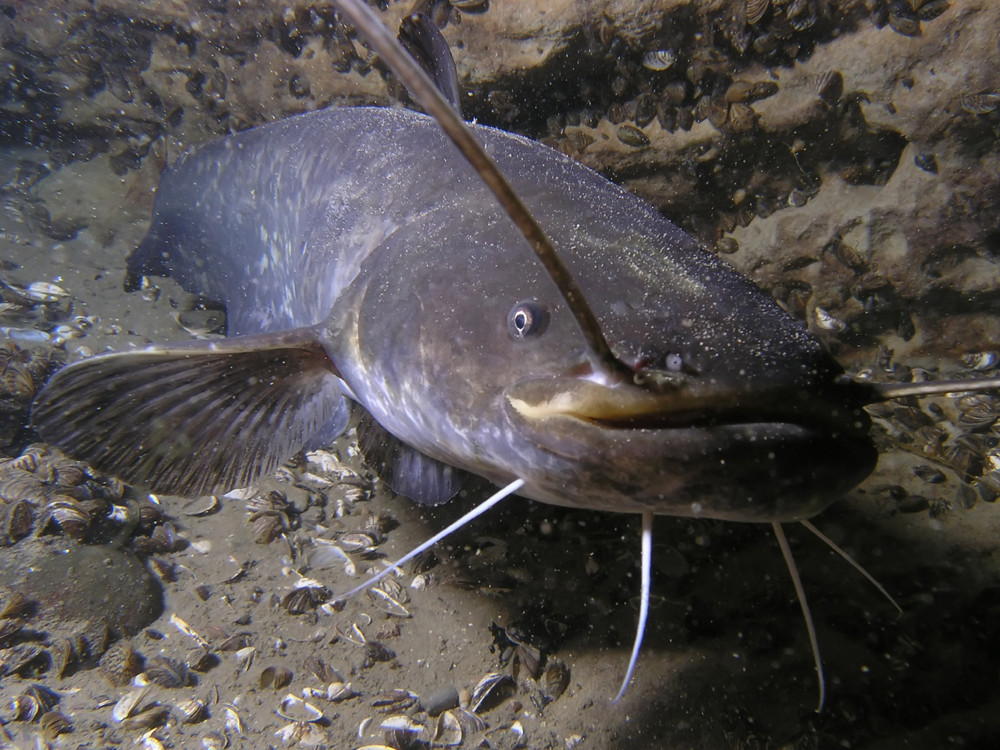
pixel 367 224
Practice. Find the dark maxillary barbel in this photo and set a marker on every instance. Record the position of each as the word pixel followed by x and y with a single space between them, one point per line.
pixel 426 92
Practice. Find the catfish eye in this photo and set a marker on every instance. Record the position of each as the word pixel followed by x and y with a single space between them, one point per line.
pixel 528 318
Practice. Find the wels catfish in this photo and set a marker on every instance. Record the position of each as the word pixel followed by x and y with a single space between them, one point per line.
pixel 361 259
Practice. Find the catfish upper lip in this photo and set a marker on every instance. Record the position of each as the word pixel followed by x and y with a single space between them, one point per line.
pixel 831 408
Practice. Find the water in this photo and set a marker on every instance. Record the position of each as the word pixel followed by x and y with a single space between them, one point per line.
pixel 865 201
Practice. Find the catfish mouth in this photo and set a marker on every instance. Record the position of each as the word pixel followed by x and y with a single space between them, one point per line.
pixel 767 452
pixel 831 408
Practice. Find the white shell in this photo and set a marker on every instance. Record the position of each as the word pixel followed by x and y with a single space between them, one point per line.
pixel 338 691
pixel 327 554
pixel 201 506
pixel 295 709
pixel 489 689
pixel 201 546
pixel 84 323
pixel 357 541
pixel 241 493
pixel 192 711
pixel 187 630
pixel 128 704
pixel 363 727
pixel 828 322
pixel 327 462
pixel 66 332
pixel 317 479
pixel 402 723
pixel 658 59
pixel 302 734
pixel 150 742
pixel 233 722
pixel 244 658
pixel 383 599
pixel 42 291
pixel 980 360
pixel 448 731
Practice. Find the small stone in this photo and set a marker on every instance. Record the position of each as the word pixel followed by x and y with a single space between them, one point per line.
pixel 439 700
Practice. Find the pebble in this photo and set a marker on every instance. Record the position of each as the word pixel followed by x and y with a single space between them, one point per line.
pixel 439 700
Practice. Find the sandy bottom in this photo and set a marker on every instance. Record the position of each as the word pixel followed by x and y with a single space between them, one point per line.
pixel 726 662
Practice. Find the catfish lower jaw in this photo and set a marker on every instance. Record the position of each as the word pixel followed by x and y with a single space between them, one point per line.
pixel 729 464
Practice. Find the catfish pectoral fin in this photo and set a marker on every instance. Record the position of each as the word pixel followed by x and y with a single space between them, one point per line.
pixel 192 418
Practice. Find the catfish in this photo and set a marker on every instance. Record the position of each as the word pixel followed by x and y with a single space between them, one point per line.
pixel 362 260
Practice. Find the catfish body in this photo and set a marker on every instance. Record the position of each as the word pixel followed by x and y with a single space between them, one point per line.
pixel 359 257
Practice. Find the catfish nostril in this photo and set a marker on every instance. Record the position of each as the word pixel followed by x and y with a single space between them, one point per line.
pixel 659 380
pixel 671 361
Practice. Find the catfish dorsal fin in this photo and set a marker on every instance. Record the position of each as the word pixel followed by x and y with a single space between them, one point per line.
pixel 423 40
pixel 194 417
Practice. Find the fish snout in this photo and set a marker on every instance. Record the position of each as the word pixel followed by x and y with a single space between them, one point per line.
pixel 691 448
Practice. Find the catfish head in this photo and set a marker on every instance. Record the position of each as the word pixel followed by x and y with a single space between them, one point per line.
pixel 462 348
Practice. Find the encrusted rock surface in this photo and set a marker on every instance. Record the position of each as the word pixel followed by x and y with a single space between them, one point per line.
pixel 867 130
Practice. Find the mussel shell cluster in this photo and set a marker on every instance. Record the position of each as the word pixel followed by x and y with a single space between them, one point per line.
pixel 956 437
pixel 43 490
pixel 22 374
